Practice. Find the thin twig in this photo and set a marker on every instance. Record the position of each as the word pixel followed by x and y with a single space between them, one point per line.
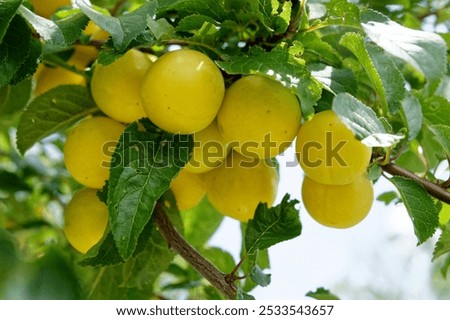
pixel 433 189
pixel 193 257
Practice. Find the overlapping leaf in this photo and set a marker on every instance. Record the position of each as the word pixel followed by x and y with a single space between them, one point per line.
pixel 144 163
pixel 53 111
pixel 281 65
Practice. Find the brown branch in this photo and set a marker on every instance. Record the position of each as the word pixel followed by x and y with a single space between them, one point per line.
pixel 196 260
pixel 433 189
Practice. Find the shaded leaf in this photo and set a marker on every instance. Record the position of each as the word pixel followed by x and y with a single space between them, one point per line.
pixel 107 284
pixel 280 65
pixel 333 79
pixel 143 164
pixel 200 223
pixel 11 182
pixel 210 8
pixel 7 11
pixel 193 22
pixel 223 260
pixel 105 252
pixel 442 245
pixel 357 116
pixel 412 113
pixel 356 44
pixel 123 29
pixel 15 97
pixel 47 29
pixel 420 206
pixel 317 50
pixel 161 29
pixel 150 263
pixel 72 26
pixel 442 135
pixel 391 77
pixel 30 64
pixel 53 111
pixel 425 51
pixel 437 110
pixel 14 49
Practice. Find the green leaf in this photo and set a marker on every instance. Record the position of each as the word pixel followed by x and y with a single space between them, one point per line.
pixel 47 29
pixel 108 281
pixel 193 22
pixel 210 8
pixel 148 265
pixel 200 223
pixel 343 12
pixel 317 50
pixel 108 54
pixel 125 28
pixel 391 77
pixel 388 197
pixel 420 206
pixel 105 253
pixel 442 135
pixel 8 252
pixel 15 97
pixel 14 49
pixel 445 267
pixel 281 17
pixel 333 79
pixel 322 294
pixel 7 11
pixel 432 150
pixel 50 277
pixel 72 26
pixel 223 260
pixel 143 164
pixel 11 182
pixel 259 277
pixel 30 64
pixel 281 65
pixel 259 258
pixel 357 116
pixel 161 29
pixel 412 114
pixel 51 112
pixel 436 110
pixel 356 44
pixel 425 51
pixel 442 245
pixel 242 295
pixel 272 225
pixel 444 214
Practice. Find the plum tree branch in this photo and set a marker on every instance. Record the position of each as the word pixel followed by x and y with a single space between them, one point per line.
pixel 193 257
pixel 433 189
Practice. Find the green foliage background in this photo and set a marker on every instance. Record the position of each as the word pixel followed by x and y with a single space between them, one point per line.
pixel 370 61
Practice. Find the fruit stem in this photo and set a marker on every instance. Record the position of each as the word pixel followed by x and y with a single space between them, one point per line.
pixel 178 244
pixel 433 189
